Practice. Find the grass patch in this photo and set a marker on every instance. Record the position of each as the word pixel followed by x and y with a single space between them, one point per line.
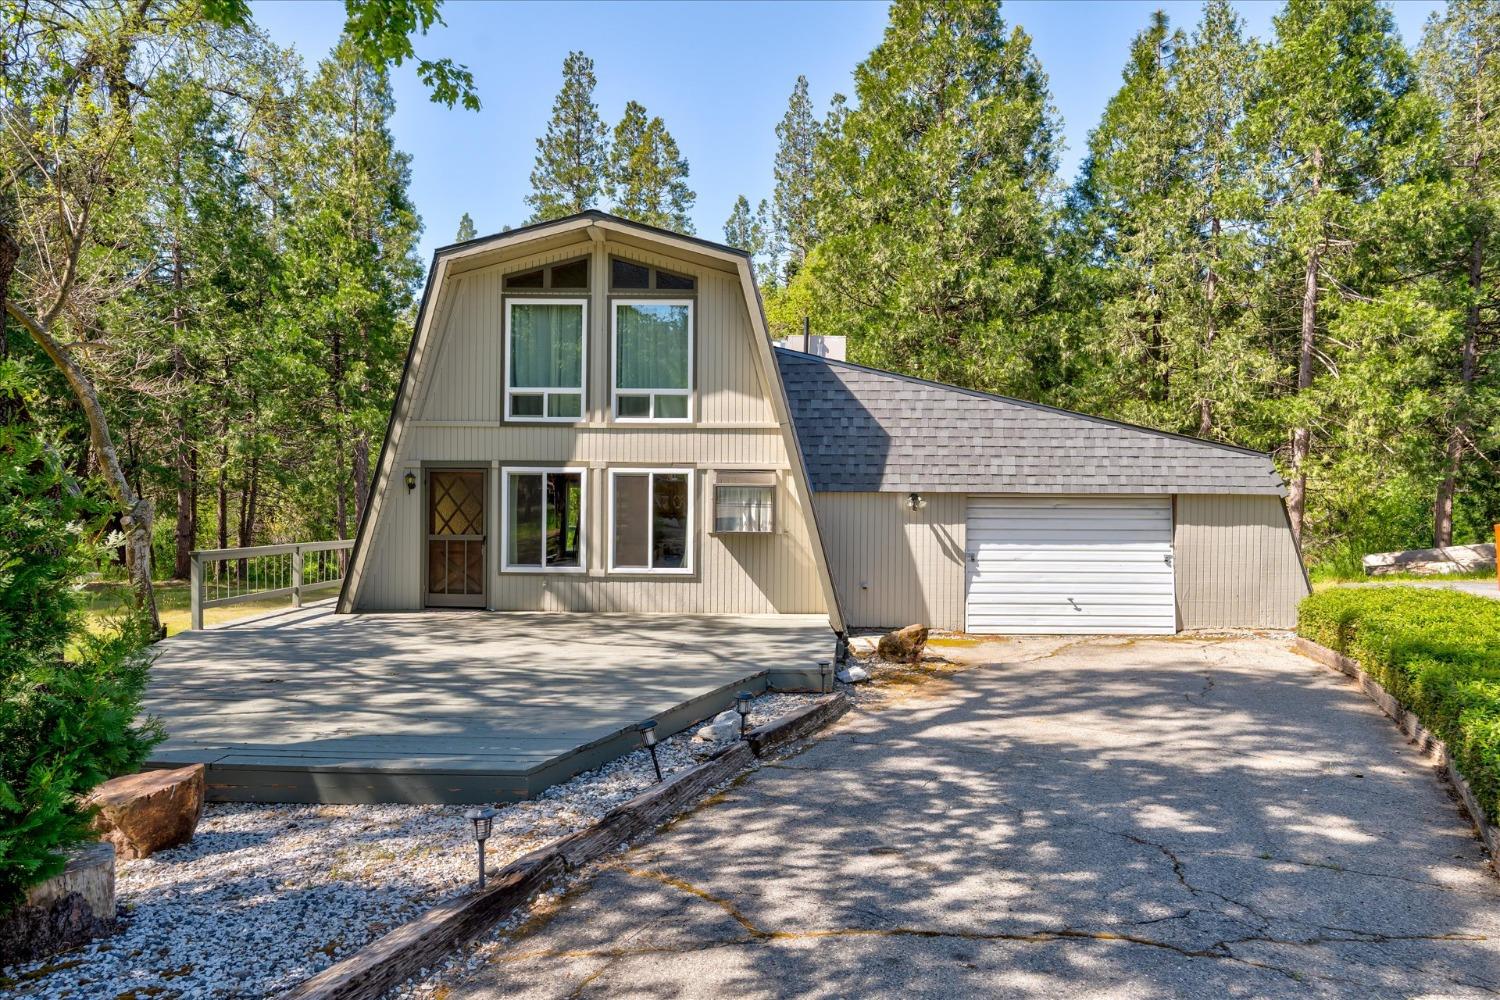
pixel 1437 652
pixel 1332 573
pixel 103 600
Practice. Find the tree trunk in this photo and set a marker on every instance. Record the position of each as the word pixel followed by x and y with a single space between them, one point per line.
pixel 1442 521
pixel 361 476
pixel 187 516
pixel 1211 326
pixel 135 510
pixel 1296 503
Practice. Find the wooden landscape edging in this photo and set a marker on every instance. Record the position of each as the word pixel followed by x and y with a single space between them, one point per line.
pixel 1427 742
pixel 419 944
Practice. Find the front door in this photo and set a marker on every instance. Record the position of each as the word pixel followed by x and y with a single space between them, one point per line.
pixel 455 538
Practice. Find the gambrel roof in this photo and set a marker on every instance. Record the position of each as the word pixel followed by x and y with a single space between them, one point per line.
pixel 866 430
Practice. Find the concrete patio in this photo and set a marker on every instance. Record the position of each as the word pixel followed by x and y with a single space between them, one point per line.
pixel 451 706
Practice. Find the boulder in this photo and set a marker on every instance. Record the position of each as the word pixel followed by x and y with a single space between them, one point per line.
pixel 853 674
pixel 144 813
pixel 904 645
pixel 724 726
pixel 64 911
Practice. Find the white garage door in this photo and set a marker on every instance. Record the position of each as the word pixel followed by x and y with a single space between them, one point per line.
pixel 1075 565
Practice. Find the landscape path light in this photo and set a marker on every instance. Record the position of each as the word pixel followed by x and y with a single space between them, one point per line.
pixel 742 706
pixel 648 737
pixel 483 820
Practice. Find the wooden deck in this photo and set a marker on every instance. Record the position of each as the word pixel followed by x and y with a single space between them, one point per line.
pixel 451 706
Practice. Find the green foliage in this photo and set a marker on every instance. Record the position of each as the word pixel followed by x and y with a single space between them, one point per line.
pixel 1436 651
pixel 572 158
pixel 795 227
pixel 68 698
pixel 751 231
pixel 932 202
pixel 466 229
pixel 647 174
pixel 381 31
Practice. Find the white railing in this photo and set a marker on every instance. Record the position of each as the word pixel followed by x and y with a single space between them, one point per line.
pixel 261 572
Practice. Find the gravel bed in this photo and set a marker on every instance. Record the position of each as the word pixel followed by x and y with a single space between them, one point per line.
pixel 267 895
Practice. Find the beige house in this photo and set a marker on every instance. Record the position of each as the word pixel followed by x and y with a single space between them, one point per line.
pixel 593 419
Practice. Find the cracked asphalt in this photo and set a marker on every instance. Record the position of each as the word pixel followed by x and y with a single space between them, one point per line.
pixel 1186 816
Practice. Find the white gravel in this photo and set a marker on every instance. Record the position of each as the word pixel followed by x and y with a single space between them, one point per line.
pixel 267 895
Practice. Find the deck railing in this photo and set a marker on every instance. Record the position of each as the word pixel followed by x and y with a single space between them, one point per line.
pixel 262 572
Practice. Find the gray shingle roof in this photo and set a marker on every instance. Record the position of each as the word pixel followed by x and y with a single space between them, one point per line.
pixel 864 430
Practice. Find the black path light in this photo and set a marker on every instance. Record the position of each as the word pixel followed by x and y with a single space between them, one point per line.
pixel 742 706
pixel 482 819
pixel 648 737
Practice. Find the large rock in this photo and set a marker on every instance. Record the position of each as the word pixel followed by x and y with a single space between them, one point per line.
pixel 148 812
pixel 64 911
pixel 904 645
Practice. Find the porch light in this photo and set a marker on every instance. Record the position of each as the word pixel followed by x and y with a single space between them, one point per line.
pixel 648 737
pixel 742 706
pixel 916 502
pixel 482 819
pixel 411 480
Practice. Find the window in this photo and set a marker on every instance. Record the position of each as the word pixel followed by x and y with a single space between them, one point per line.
pixel 653 359
pixel 544 348
pixel 543 526
pixel 627 275
pixel 745 502
pixel 651 520
pixel 568 275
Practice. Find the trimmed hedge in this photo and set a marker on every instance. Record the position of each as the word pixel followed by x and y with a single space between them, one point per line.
pixel 1435 651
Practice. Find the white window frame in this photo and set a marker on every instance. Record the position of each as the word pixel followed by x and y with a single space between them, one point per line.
pixel 614 361
pixel 756 478
pixel 583 374
pixel 583 518
pixel 691 551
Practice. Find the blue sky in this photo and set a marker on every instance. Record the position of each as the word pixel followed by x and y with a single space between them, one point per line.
pixel 718 74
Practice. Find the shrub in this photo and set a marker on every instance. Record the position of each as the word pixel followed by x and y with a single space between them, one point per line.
pixel 68 698
pixel 1438 652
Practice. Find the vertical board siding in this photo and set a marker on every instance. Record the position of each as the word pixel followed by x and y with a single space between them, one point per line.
pixel 893 566
pixel 1237 566
pixel 456 418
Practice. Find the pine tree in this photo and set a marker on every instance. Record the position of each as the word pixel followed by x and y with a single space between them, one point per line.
pixel 648 176
pixel 933 204
pixel 1332 131
pixel 751 232
pixel 465 229
pixel 797 140
pixel 352 267
pixel 1460 64
pixel 572 157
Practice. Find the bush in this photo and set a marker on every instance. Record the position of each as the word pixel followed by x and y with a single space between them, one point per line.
pixel 1436 651
pixel 68 698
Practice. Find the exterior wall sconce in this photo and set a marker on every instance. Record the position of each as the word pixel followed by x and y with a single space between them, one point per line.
pixel 742 706
pixel 648 737
pixel 915 502
pixel 411 480
pixel 482 819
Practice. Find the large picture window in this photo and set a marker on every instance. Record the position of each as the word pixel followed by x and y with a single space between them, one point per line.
pixel 653 359
pixel 544 519
pixel 651 520
pixel 545 345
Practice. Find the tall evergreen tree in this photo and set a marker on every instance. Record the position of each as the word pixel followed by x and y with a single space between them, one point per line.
pixel 1332 131
pixel 751 232
pixel 648 176
pixel 573 156
pixel 352 266
pixel 1460 64
pixel 797 141
pixel 933 204
pixel 465 229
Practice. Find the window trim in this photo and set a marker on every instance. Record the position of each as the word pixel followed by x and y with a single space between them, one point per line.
pixel 688 567
pixel 690 393
pixel 583 373
pixel 583 518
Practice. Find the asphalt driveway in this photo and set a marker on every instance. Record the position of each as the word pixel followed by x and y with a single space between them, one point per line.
pixel 1096 818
